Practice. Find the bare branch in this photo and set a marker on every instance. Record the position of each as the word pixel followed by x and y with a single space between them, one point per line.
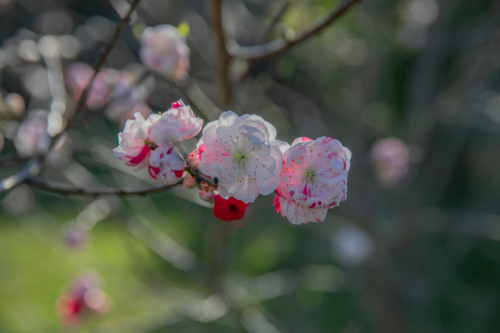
pixel 215 9
pixel 264 51
pixel 54 186
pixel 34 165
pixel 199 99
pixel 276 20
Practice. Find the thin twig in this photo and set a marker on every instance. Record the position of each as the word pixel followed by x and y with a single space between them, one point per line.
pixel 199 99
pixel 276 20
pixel 215 9
pixel 264 51
pixel 34 165
pixel 59 187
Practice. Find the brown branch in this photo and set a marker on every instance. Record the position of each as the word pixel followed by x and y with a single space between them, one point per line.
pixel 264 51
pixel 34 165
pixel 215 9
pixel 59 187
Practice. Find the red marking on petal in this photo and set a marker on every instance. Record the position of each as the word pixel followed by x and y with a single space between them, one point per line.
pixel 304 191
pixel 178 173
pixel 135 160
pixel 176 105
pixel 153 171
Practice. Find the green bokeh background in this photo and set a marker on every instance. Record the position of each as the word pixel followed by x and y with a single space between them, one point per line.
pixel 385 69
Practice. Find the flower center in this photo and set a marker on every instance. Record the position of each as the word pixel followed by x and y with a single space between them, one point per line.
pixel 310 175
pixel 150 144
pixel 239 157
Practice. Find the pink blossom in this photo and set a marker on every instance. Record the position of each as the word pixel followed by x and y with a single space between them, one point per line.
pixel 134 144
pixel 189 181
pixel 166 164
pixel 32 135
pixel 83 297
pixel 313 179
pixel 194 157
pixel 164 50
pixel 115 90
pixel 243 154
pixel 206 196
pixel 390 156
pixel 178 123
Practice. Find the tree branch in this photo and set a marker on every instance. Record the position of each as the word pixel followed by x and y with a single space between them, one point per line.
pixel 215 9
pixel 264 51
pixel 59 187
pixel 198 98
pixel 276 20
pixel 34 165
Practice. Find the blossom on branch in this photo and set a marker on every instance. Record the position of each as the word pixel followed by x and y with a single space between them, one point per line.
pixel 164 50
pixel 194 157
pixel 242 153
pixel 166 164
pixel 134 144
pixel 228 210
pixel 313 179
pixel 176 124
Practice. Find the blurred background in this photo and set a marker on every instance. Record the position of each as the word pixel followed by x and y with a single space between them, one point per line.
pixel 412 87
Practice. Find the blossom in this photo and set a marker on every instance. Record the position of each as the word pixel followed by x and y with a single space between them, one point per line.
pixel 114 90
pixel 32 136
pixel 313 179
pixel 164 50
pixel 166 164
pixel 206 195
pixel 194 157
pixel 177 123
pixel 84 296
pixel 189 181
pixel 390 156
pixel 134 144
pixel 228 209
pixel 242 153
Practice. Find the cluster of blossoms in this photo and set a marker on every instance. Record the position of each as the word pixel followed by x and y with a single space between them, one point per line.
pixel 242 157
pixel 112 90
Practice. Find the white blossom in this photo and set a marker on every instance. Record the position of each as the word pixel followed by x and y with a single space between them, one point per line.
pixel 242 153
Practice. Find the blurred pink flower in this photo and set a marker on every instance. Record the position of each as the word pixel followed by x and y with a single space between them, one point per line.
pixel 313 179
pixel 166 164
pixel 83 297
pixel 243 154
pixel 32 135
pixel 176 124
pixel 390 156
pixel 115 90
pixel 164 50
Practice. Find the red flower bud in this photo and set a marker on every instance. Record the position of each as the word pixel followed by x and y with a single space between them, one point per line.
pixel 230 209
